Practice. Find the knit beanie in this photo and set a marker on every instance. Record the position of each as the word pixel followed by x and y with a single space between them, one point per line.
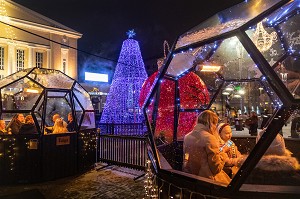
pixel 221 126
pixel 277 147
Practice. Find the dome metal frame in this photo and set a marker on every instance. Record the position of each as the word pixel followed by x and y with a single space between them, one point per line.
pixel 71 93
pixel 288 102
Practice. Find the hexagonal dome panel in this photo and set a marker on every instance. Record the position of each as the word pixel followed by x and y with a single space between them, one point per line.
pixel 42 93
pixel 50 78
pixel 225 21
pixel 248 60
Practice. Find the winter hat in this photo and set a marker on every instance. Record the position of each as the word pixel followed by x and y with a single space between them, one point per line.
pixel 277 147
pixel 221 127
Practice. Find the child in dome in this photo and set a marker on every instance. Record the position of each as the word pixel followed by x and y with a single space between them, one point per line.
pixel 228 146
pixel 59 126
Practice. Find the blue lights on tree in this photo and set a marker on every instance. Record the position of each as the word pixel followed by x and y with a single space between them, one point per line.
pixel 122 100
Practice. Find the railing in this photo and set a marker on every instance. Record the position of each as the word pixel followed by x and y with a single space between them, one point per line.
pixel 134 129
pixel 125 151
pixel 123 145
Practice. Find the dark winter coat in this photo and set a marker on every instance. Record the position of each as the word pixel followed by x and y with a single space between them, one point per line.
pixel 71 126
pixel 252 122
pixel 15 126
pixel 28 129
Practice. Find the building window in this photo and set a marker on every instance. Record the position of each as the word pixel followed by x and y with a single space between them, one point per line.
pixel 1 76
pixel 1 58
pixel 39 59
pixel 64 65
pixel 20 59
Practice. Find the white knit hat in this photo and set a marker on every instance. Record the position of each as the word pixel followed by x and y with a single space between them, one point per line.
pixel 221 127
pixel 277 147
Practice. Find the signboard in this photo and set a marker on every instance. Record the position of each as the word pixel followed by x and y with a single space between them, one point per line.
pixel 65 140
pixel 97 77
pixel 33 144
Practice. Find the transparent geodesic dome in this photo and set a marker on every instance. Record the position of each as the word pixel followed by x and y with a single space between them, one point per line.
pixel 248 59
pixel 42 93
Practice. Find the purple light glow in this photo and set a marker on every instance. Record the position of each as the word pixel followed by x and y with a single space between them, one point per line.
pixel 122 100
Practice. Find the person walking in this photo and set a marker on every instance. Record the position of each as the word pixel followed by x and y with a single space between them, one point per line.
pixel 252 122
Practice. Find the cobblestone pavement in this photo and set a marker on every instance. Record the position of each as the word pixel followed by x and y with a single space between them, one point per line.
pixel 111 182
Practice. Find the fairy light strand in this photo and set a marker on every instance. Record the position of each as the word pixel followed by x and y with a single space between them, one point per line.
pixel 122 100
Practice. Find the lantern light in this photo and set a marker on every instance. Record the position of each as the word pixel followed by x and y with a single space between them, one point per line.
pixel 32 90
pixel 208 68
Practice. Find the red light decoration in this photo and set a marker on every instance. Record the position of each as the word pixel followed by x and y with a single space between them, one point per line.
pixel 193 93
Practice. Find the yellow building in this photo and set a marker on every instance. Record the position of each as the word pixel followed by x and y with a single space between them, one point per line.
pixel 33 40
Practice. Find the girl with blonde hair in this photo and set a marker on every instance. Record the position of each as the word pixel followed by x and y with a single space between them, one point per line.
pixel 59 126
pixel 209 119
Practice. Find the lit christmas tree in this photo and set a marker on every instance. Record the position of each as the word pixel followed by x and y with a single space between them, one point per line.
pixel 122 100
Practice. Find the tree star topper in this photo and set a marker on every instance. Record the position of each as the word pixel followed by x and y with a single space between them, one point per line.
pixel 131 33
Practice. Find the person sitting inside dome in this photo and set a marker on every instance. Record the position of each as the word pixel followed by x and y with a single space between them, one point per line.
pixel 71 123
pixel 201 151
pixel 3 130
pixel 50 129
pixel 277 166
pixel 233 153
pixel 29 126
pixel 59 126
pixel 16 123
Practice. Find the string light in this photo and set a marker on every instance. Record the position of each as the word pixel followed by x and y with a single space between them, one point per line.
pixel 181 190
pixel 151 191
pixel 10 152
pixel 89 145
pixel 4 17
pixel 262 39
pixel 194 96
pixel 122 100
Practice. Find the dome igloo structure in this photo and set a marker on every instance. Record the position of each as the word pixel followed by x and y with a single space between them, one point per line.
pixel 43 155
pixel 43 93
pixel 248 58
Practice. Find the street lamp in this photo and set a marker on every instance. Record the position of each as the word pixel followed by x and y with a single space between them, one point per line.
pixel 225 92
pixel 231 91
pixel 229 88
pixel 207 68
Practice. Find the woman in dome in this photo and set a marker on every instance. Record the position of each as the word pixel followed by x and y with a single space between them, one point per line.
pixel 202 155
pixel 16 123
pixel 29 126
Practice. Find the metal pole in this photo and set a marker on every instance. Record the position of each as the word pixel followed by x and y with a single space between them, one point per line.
pixel 97 138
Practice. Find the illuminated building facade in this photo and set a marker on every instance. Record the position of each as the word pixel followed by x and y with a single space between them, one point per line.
pixel 29 39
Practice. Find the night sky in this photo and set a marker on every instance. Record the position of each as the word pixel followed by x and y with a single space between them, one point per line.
pixel 104 23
